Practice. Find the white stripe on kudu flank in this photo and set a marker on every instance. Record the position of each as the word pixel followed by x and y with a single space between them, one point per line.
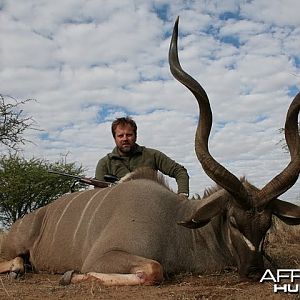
pixel 83 212
pixel 61 216
pixel 95 211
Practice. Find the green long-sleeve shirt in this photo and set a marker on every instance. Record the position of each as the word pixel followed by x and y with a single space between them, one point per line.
pixel 114 164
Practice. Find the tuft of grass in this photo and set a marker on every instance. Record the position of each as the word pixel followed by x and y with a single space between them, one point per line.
pixel 282 244
pixel 2 236
pixel 282 233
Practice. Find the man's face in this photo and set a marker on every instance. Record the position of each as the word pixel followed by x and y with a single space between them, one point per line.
pixel 125 139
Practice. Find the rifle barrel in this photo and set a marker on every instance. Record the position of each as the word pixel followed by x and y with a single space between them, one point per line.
pixel 65 174
pixel 94 182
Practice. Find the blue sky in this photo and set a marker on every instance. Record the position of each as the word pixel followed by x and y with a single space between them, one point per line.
pixel 87 62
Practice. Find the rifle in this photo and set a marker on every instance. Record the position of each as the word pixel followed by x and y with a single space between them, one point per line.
pixel 90 181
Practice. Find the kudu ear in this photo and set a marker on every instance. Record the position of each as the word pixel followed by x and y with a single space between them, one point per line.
pixel 208 208
pixel 289 213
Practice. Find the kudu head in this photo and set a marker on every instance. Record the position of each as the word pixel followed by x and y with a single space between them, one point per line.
pixel 247 211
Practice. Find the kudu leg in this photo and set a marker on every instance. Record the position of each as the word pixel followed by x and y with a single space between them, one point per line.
pixel 14 266
pixel 119 268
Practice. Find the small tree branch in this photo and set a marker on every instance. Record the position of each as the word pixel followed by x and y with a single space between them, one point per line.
pixel 14 122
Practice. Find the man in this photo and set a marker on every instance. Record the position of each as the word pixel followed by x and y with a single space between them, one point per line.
pixel 128 155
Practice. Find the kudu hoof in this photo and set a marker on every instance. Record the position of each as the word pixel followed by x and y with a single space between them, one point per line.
pixel 16 275
pixel 13 275
pixel 66 278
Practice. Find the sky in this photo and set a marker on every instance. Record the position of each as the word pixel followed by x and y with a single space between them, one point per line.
pixel 86 62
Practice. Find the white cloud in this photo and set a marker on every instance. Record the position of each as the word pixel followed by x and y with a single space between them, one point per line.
pixel 87 62
pixel 280 13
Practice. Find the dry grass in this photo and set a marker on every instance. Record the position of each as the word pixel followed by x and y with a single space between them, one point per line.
pixel 2 236
pixel 283 233
pixel 283 245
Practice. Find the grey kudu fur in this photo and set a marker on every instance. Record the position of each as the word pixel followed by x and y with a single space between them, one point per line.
pixel 129 234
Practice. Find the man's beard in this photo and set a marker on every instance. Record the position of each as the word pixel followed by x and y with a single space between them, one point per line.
pixel 126 149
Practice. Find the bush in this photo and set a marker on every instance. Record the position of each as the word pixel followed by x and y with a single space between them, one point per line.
pixel 26 185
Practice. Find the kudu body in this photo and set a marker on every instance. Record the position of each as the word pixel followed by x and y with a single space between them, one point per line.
pixel 128 234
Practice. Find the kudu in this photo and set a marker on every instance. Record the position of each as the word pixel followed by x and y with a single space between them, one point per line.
pixel 128 234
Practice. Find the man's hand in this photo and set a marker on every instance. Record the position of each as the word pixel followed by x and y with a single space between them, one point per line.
pixel 183 195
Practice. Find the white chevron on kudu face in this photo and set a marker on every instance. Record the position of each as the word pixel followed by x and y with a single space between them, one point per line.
pixel 249 244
